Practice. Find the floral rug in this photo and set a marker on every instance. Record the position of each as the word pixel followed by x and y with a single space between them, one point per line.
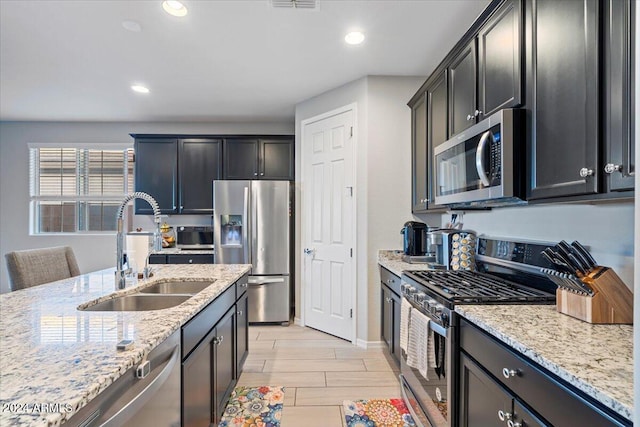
pixel 377 413
pixel 254 406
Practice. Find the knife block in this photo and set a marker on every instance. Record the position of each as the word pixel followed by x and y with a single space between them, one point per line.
pixel 611 303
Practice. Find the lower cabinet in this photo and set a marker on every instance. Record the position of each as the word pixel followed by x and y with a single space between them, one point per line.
pixel 214 346
pixel 499 386
pixel 390 313
pixel 181 259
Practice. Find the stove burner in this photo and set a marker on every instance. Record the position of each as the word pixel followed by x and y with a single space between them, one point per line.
pixel 468 287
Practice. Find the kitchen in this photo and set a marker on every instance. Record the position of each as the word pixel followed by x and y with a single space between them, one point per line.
pixel 384 182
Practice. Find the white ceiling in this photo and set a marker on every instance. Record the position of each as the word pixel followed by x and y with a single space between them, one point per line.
pixel 225 61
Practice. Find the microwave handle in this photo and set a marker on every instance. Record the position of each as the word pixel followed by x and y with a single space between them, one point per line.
pixel 482 173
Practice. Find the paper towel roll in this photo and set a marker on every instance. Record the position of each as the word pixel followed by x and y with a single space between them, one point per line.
pixel 138 247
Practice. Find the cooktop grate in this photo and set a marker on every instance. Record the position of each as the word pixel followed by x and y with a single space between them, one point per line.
pixel 475 287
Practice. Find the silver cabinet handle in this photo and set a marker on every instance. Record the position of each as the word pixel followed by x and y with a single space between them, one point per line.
pixel 477 113
pixel 512 424
pixel 388 299
pixel 262 174
pixel 190 261
pixel 470 117
pixel 504 416
pixel 243 285
pixel 585 172
pixel 611 168
pixel 255 174
pixel 389 281
pixel 508 373
pixel 218 340
pixel 239 313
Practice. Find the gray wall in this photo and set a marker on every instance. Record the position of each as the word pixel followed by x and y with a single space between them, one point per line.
pixel 96 251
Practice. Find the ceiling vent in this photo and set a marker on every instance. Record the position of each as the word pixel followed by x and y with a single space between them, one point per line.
pixel 294 4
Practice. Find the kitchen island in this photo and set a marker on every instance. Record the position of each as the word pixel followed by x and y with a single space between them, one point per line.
pixel 54 358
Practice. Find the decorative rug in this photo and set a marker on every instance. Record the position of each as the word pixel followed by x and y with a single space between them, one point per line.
pixel 254 407
pixel 377 413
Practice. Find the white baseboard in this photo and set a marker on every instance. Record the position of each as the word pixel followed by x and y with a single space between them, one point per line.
pixel 369 344
pixel 297 321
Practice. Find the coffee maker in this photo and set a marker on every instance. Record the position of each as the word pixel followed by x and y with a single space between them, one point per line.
pixel 415 242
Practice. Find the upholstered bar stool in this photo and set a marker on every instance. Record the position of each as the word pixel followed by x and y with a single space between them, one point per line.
pixel 38 266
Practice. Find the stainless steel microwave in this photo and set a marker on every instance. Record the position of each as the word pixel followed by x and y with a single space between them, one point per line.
pixel 195 237
pixel 483 165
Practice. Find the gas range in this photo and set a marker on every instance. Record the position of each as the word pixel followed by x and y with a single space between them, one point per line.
pixel 508 273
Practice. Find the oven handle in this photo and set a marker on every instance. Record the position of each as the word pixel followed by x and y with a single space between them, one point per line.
pixel 405 397
pixel 482 173
pixel 433 324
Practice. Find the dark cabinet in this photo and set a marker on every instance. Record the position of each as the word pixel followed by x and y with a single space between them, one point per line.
pixel 437 130
pixel 564 134
pixel 242 320
pixel 419 155
pixel 156 173
pixel 178 173
pixel 462 90
pixel 500 60
pixel 619 159
pixel 484 402
pixel 224 365
pixel 259 158
pixel 498 372
pixel 190 259
pixel 390 314
pixel 199 163
pixel 197 384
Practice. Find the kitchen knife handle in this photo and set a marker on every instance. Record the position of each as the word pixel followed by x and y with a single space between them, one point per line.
pixel 580 267
pixel 581 249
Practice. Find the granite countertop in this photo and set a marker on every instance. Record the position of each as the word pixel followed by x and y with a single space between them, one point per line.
pixel 392 261
pixel 52 354
pixel 597 359
pixel 178 251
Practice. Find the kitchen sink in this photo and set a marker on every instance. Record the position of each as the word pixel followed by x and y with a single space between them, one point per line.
pixel 138 302
pixel 177 287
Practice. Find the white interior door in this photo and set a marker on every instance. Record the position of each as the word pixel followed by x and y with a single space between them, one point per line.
pixel 328 230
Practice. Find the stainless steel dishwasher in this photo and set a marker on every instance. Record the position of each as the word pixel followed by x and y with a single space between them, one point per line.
pixel 146 395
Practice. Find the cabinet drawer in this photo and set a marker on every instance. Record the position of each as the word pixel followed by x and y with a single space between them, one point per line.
pixel 555 400
pixel 390 280
pixel 241 286
pixel 157 259
pixel 198 327
pixel 190 259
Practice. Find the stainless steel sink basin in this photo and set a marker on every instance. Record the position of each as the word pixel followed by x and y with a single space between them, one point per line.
pixel 138 302
pixel 176 287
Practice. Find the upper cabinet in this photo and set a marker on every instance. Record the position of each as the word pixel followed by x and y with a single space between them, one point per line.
pixel 271 158
pixel 564 130
pixel 419 156
pixel 486 74
pixel 178 171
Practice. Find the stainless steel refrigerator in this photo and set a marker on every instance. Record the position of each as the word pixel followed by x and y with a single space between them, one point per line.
pixel 251 222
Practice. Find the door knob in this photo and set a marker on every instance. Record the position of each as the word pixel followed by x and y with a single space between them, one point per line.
pixel 308 251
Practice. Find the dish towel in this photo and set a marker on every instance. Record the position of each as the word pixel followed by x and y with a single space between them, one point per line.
pixel 418 345
pixel 405 315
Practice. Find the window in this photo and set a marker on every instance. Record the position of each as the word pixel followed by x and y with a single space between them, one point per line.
pixel 76 190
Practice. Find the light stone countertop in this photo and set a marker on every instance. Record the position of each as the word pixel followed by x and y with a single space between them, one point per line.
pixel 597 359
pixel 51 353
pixel 392 261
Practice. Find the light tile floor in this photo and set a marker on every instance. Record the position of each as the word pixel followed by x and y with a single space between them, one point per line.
pixel 318 372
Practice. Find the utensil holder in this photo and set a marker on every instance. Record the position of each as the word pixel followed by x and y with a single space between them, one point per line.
pixel 611 302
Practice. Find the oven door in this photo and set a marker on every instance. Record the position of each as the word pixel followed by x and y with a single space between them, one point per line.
pixel 428 400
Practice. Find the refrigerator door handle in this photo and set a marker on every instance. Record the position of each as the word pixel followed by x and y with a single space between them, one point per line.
pixel 253 281
pixel 245 234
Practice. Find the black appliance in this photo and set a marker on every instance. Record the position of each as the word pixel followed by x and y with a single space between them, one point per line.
pixel 508 272
pixel 415 238
pixel 483 166
pixel 195 237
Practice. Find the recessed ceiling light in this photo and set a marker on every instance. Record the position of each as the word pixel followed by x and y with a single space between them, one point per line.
pixel 140 89
pixel 175 8
pixel 355 37
pixel 132 26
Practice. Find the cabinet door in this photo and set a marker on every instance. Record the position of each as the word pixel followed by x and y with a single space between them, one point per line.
pixel 197 385
pixel 242 332
pixel 526 418
pixel 481 398
pixel 419 154
pixel 276 159
pixel 564 146
pixel 462 90
pixel 619 161
pixel 241 159
pixel 437 131
pixel 156 173
pixel 395 328
pixel 224 362
pixel 386 318
pixel 500 61
pixel 200 162
pixel 190 259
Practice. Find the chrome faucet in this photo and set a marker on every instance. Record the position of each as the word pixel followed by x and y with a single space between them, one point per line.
pixel 121 272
